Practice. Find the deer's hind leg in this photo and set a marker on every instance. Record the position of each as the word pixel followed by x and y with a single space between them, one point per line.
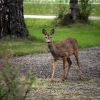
pixel 64 65
pixel 69 65
pixel 79 69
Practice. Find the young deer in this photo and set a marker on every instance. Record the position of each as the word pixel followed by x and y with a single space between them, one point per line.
pixel 62 51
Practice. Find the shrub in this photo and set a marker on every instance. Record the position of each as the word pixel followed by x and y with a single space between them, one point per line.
pixel 13 86
pixel 61 13
pixel 85 9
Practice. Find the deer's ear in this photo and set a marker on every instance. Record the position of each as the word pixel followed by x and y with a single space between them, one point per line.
pixel 52 31
pixel 44 31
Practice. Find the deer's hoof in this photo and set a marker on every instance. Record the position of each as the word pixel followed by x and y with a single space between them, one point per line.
pixel 80 77
pixel 51 80
pixel 63 80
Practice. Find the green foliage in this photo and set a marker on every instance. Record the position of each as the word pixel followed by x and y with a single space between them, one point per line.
pixel 11 85
pixel 63 10
pixel 95 10
pixel 85 9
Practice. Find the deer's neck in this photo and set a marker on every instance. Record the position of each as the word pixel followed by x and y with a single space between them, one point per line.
pixel 53 50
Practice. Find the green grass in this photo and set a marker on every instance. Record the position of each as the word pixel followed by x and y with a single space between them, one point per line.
pixel 20 47
pixel 87 35
pixel 52 9
pixel 42 9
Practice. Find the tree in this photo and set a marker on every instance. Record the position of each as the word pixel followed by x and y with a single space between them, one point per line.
pixel 85 9
pixel 73 9
pixel 12 20
pixel 79 11
pixel 71 16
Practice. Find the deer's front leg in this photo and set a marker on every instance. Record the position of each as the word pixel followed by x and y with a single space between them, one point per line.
pixel 54 68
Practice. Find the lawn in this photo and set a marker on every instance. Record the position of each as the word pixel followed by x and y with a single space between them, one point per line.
pixel 87 35
pixel 53 9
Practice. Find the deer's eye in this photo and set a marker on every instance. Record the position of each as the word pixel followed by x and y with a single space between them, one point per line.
pixel 50 37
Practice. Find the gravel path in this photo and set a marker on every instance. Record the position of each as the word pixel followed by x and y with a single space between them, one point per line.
pixel 41 64
pixel 71 89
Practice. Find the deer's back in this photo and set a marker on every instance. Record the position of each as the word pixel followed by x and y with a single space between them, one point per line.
pixel 68 45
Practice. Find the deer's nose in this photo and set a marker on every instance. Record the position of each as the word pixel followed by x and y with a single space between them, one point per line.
pixel 48 41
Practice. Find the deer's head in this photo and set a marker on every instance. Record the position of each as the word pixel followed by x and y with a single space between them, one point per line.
pixel 48 37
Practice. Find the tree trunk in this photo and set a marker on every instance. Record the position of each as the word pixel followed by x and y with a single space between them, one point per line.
pixel 74 9
pixel 73 13
pixel 12 19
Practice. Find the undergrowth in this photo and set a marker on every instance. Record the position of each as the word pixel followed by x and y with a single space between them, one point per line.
pixel 13 85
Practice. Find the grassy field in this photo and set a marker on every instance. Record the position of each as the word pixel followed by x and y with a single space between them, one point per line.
pixel 87 35
pixel 53 9
pixel 42 9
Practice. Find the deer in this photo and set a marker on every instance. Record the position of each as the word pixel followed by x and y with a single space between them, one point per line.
pixel 62 51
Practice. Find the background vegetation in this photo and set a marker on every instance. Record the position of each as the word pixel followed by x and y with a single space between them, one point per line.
pixel 14 85
pixel 53 9
pixel 87 34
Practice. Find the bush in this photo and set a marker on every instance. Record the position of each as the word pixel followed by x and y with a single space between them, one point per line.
pixel 14 86
pixel 85 9
pixel 61 13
